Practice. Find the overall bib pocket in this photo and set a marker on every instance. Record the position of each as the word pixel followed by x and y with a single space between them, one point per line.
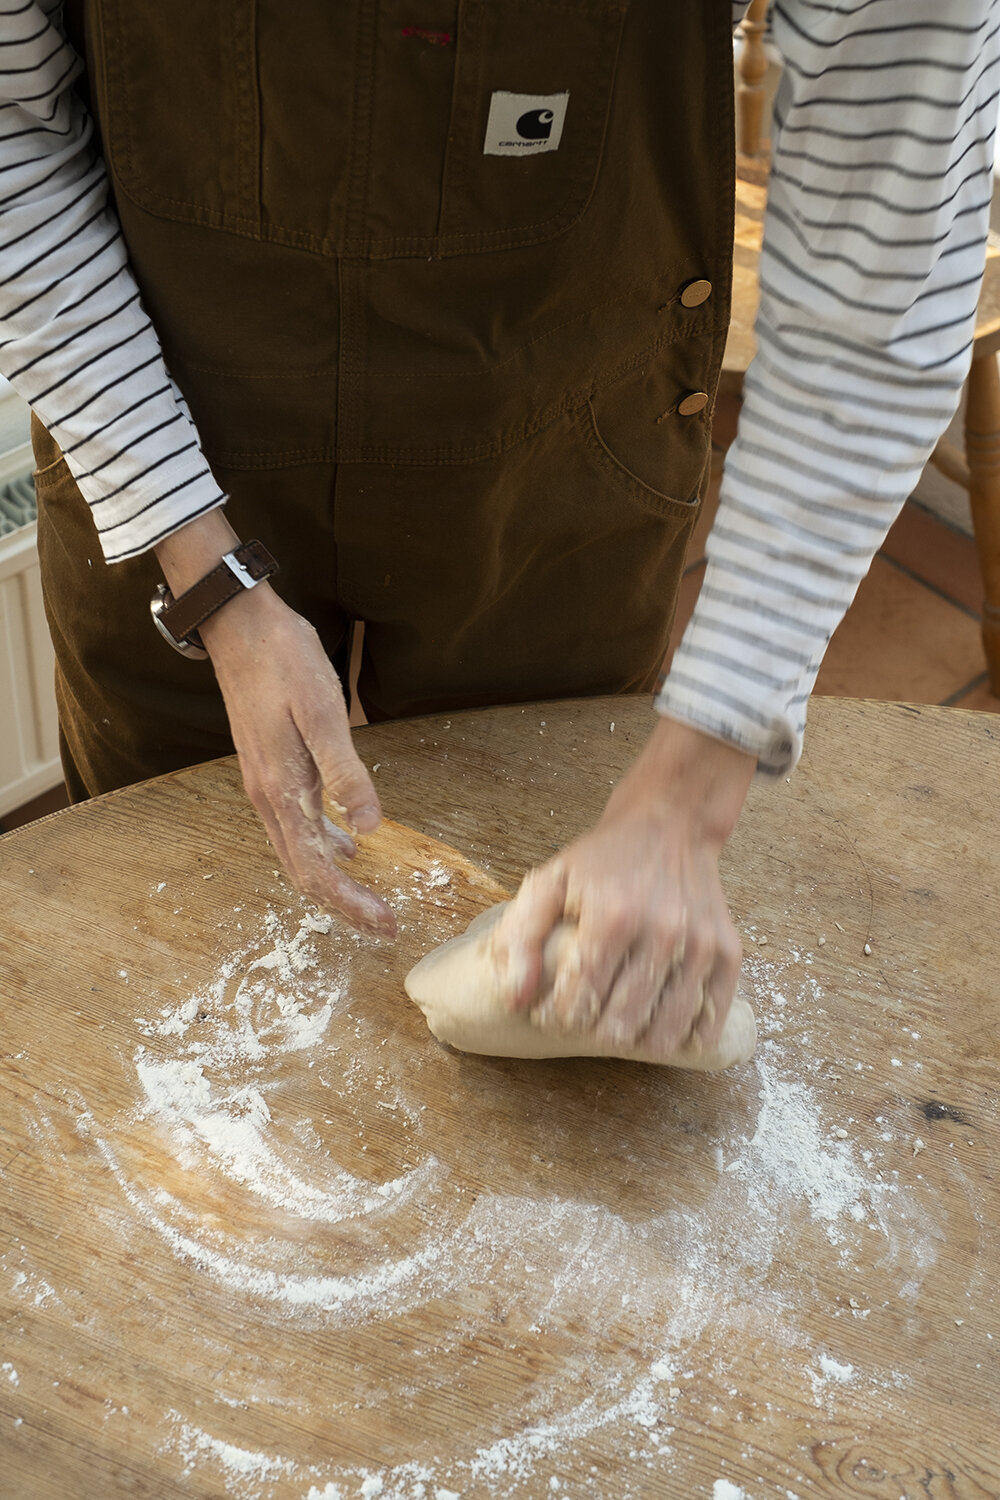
pixel 533 88
pixel 344 131
pixel 181 114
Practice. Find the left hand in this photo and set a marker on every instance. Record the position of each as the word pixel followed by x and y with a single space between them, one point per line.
pixel 656 956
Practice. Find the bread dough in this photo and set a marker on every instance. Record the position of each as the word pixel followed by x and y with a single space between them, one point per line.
pixel 459 991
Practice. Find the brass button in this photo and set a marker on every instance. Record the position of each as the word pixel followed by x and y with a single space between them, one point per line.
pixel 693 403
pixel 695 293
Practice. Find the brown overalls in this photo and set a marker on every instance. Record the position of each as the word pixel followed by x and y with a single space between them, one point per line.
pixel 455 390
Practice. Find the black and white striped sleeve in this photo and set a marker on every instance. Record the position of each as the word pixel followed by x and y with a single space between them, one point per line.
pixel 75 341
pixel 874 246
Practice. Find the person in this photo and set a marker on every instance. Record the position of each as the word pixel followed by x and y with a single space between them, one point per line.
pixel 439 312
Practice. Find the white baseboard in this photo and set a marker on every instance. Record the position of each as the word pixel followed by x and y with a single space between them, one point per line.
pixel 29 736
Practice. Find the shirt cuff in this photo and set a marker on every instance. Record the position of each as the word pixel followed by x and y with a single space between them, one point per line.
pixel 773 741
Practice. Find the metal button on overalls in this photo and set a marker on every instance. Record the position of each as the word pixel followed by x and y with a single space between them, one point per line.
pixel 695 293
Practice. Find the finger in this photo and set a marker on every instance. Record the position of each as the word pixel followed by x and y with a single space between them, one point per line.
pixel 720 989
pixel 308 846
pixel 634 996
pixel 571 1004
pixel 326 731
pixel 586 977
pixel 313 846
pixel 517 942
pixel 683 1000
pixel 311 803
pixel 273 830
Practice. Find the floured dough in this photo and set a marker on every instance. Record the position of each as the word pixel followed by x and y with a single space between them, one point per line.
pixel 459 991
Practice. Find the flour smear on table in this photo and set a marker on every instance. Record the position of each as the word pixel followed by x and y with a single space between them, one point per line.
pixel 680 1280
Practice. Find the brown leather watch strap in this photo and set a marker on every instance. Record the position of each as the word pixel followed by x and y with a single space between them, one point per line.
pixel 240 569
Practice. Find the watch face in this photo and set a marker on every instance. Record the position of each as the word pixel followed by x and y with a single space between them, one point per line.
pixel 161 600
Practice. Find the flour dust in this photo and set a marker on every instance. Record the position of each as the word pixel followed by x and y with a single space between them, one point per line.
pixel 678 1285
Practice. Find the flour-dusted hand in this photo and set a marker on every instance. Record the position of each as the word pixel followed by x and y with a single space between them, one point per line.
pixel 289 723
pixel 656 955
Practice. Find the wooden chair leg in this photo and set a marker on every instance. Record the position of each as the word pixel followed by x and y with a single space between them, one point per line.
pixel 751 161
pixel 982 452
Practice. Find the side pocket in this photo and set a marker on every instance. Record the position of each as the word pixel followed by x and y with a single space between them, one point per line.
pixel 634 433
pixel 50 466
pixel 50 474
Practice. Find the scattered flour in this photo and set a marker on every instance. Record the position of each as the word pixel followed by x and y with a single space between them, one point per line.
pixel 8 1369
pixel 789 1150
pixel 27 1284
pixel 832 1369
pixel 688 1279
pixel 242 1467
pixel 212 1096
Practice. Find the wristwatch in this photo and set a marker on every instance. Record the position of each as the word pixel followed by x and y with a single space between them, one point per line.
pixel 177 620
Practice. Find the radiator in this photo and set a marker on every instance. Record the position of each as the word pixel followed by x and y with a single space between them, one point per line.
pixel 29 742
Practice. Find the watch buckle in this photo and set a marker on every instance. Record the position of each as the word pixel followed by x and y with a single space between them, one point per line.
pixel 239 572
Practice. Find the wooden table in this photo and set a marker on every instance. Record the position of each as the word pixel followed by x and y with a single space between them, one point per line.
pixel 260 1236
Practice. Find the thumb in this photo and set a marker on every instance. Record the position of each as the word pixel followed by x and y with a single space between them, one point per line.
pixel 345 778
pixel 517 941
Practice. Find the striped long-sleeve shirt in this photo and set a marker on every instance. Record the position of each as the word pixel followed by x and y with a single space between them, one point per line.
pixel 874 244
pixel 75 341
pixel 873 252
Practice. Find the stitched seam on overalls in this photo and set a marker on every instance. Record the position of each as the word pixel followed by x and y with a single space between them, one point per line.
pixel 280 373
pixel 448 454
pixel 514 437
pixel 248 167
pixel 694 329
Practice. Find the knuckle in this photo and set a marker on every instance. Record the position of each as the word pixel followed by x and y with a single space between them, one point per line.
pixel 668 924
pixel 614 924
pixel 699 947
pixel 538 884
pixel 731 951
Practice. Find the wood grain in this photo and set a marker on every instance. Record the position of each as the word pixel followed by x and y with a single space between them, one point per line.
pixel 475 1275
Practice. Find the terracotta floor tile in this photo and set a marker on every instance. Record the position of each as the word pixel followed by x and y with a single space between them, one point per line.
pixel 899 641
pixel 937 553
pixel 979 697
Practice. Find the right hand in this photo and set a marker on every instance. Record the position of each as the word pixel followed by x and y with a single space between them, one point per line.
pixel 289 723
pixel 655 956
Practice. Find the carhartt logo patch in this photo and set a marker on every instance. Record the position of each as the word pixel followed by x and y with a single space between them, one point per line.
pixel 524 124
